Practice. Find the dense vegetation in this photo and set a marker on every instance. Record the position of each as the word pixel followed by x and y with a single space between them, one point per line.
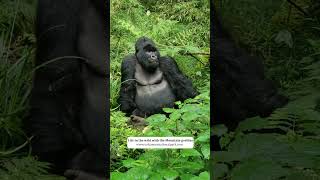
pixel 180 30
pixel 17 47
pixel 288 39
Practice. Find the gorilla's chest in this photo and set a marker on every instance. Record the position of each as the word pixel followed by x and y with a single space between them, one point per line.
pixel 153 91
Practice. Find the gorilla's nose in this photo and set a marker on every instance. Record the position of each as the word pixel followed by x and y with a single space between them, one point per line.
pixel 153 56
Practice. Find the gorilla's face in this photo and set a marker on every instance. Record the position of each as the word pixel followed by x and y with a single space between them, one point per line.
pixel 147 54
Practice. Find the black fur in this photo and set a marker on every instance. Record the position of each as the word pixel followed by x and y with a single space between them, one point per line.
pixel 69 129
pixel 179 83
pixel 142 46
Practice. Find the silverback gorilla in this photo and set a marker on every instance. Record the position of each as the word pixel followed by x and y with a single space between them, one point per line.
pixel 69 113
pixel 151 82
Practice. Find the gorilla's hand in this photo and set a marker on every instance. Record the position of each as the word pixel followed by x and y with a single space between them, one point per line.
pixel 81 175
pixel 137 122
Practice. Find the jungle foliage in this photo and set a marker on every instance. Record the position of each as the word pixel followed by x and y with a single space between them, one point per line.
pixel 17 50
pixel 180 29
pixel 285 145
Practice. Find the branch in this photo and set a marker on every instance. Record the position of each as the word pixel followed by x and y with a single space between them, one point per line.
pixel 193 55
pixel 200 53
pixel 298 7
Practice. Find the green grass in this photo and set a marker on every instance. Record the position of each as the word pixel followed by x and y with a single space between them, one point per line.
pixel 17 50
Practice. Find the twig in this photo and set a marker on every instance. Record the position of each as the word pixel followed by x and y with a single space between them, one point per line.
pixel 192 55
pixel 200 53
pixel 298 7
pixel 5 153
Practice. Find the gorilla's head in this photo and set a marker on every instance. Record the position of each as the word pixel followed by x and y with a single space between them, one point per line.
pixel 147 54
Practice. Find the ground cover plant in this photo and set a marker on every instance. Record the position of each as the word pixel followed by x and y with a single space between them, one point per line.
pixel 17 47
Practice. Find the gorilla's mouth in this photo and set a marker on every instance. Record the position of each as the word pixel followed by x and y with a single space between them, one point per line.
pixel 151 66
pixel 153 61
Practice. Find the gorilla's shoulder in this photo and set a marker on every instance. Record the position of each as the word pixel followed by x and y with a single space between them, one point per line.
pixel 167 61
pixel 129 58
pixel 167 58
pixel 128 61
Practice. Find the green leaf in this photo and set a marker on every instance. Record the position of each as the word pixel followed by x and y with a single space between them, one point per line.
pixel 198 73
pixel 155 176
pixel 128 163
pixel 225 140
pixel 175 115
pixel 219 130
pixel 189 153
pixel 117 176
pixel 190 101
pixel 178 103
pixel 219 170
pixel 225 156
pixel 169 174
pixel 204 137
pixel 138 174
pixel 189 108
pixel 192 166
pixel 169 110
pixel 187 176
pixel 300 174
pixel 285 37
pixel 205 149
pixel 202 176
pixel 252 123
pixel 165 132
pixel 157 118
pixel 189 116
pixel 257 169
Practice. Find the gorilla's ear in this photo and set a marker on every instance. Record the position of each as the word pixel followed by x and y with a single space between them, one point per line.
pixel 137 48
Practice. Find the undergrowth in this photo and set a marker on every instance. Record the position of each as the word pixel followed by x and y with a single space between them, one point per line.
pixel 285 145
pixel 17 45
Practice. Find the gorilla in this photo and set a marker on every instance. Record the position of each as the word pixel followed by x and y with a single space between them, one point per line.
pixel 151 82
pixel 240 89
pixel 69 100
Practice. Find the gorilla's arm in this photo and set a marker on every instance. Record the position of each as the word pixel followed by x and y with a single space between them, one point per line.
pixel 180 84
pixel 128 89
